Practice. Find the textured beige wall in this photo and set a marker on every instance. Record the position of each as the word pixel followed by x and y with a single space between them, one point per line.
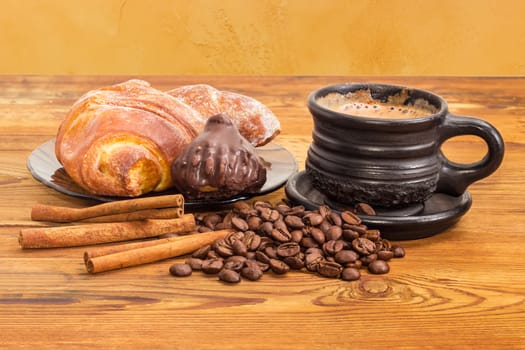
pixel 348 37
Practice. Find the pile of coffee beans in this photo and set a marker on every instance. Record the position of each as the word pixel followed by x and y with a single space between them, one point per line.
pixel 284 237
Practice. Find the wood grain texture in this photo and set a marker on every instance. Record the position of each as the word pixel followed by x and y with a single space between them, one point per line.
pixel 463 288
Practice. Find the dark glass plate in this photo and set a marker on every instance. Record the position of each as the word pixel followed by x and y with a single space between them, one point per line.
pixel 437 214
pixel 44 167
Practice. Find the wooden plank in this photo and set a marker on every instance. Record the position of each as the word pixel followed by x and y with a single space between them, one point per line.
pixel 463 288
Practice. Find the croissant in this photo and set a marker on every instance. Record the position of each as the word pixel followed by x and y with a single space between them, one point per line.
pixel 120 140
pixel 254 120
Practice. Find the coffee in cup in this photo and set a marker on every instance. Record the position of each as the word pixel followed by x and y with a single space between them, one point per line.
pixel 381 144
pixel 361 103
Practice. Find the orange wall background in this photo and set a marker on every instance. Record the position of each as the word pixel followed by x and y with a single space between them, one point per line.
pixel 274 37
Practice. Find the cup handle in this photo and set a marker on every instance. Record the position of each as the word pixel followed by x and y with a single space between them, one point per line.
pixel 454 178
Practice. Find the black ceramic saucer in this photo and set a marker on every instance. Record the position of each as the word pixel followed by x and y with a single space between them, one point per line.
pixel 437 214
pixel 44 167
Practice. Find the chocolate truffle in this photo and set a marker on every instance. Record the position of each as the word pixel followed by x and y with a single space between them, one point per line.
pixel 219 163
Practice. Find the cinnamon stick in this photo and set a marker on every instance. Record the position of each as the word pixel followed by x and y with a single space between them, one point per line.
pixel 88 234
pixel 43 212
pixel 164 213
pixel 99 251
pixel 184 245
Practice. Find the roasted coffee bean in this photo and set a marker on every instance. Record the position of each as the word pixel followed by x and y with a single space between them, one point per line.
pixel 378 267
pixel 278 266
pixel 283 209
pixel 333 233
pixel 202 252
pixel 363 246
pixel 211 220
pixel 284 237
pixel 229 276
pixel 372 235
pixel 365 209
pixel 297 210
pixel 238 258
pixel 263 266
pixel 212 254
pixel 346 256
pixel 274 215
pixel 251 240
pixel 257 205
pixel 398 251
pixel 309 242
pixel 199 217
pixel 324 210
pixel 217 243
pixel 223 226
pixel 223 249
pixel 262 257
pixel 350 274
pixel 333 247
pixel 313 219
pixel 232 237
pixel 269 214
pixel 252 262
pixel 239 248
pixel 180 270
pixel 242 208
pixel 296 235
pixel 271 252
pixel 264 213
pixel 311 261
pixel 335 219
pixel 227 219
pixel 281 235
pixel 239 224
pixel 350 235
pixel 251 272
pixel 385 255
pixel 346 245
pixel 265 242
pixel 195 263
pixel 279 224
pixel 234 265
pixel 294 222
pixel 202 229
pixel 324 226
pixel 266 228
pixel 368 259
pixel 317 235
pixel 329 269
pixel 360 229
pixel 314 250
pixel 356 264
pixel 288 249
pixel 254 223
pixel 385 244
pixel 350 218
pixel 212 266
pixel 295 262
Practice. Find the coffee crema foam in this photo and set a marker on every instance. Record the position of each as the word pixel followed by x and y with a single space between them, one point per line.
pixel 361 103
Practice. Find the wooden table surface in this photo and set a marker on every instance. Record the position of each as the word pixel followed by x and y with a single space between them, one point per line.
pixel 463 288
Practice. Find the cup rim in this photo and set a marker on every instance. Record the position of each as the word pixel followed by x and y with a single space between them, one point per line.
pixel 348 87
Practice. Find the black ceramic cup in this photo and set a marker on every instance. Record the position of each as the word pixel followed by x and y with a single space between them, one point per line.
pixel 392 162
